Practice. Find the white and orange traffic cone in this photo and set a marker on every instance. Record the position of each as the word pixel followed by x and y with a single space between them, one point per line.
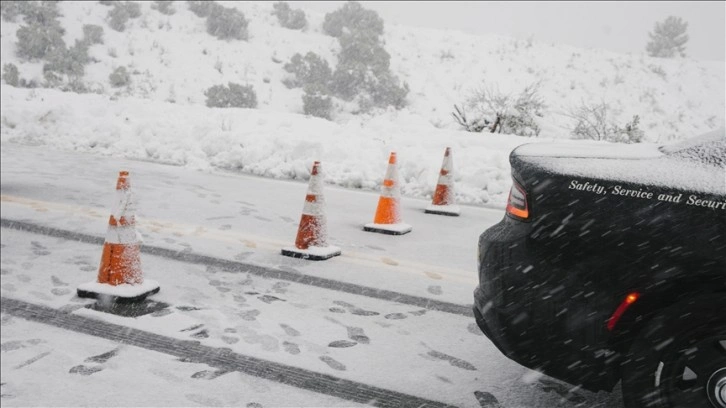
pixel 312 235
pixel 119 276
pixel 443 202
pixel 388 213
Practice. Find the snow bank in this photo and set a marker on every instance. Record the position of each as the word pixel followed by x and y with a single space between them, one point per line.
pixel 269 144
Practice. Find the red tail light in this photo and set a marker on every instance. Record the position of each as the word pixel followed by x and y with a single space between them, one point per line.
pixel 624 305
pixel 517 203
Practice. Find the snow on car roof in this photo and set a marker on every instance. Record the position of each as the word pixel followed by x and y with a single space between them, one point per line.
pixel 698 164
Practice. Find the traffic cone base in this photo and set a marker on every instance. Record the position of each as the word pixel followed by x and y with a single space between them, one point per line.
pixel 390 229
pixel 312 253
pixel 118 293
pixel 452 210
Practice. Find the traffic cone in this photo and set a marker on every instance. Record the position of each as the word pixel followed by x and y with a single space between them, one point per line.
pixel 388 214
pixel 312 234
pixel 443 202
pixel 119 276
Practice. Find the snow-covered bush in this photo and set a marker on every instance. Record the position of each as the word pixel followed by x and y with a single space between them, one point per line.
pixel 36 41
pixel 595 122
pixel 308 70
pixel 69 62
pixel 11 9
pixel 668 38
pixel 503 112
pixel 316 102
pixel 363 74
pixel 227 23
pixel 119 77
pixel 352 17
pixel 92 34
pixel 289 18
pixel 43 34
pixel 121 13
pixel 164 7
pixel 232 96
pixel 202 8
pixel 39 12
pixel 11 74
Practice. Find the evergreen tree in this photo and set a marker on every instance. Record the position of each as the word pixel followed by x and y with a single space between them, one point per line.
pixel 668 38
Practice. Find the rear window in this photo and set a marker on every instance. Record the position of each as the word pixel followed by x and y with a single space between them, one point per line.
pixel 709 149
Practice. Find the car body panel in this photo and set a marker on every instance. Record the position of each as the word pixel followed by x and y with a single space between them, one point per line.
pixel 549 284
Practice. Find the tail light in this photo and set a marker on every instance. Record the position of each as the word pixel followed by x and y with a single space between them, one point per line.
pixel 517 205
pixel 624 305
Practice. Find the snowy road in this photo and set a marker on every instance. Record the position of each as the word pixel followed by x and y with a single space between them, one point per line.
pixel 391 313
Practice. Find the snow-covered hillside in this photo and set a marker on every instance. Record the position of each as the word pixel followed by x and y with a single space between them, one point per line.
pixel 162 116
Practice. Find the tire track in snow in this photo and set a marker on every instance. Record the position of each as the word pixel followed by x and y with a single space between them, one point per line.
pixel 235 266
pixel 221 359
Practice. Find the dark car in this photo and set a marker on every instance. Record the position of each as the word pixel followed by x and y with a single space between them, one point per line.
pixel 610 265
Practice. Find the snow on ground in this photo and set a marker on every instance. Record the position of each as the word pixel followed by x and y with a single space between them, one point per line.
pixel 430 354
pixel 162 116
pixel 48 366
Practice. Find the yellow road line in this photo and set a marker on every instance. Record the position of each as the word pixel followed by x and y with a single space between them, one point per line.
pixel 159 226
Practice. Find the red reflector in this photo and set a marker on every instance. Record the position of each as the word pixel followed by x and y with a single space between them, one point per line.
pixel 517 202
pixel 624 305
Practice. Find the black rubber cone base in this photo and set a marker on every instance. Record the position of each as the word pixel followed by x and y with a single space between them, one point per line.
pixel 450 214
pixel 385 231
pixel 116 298
pixel 306 255
pixel 128 309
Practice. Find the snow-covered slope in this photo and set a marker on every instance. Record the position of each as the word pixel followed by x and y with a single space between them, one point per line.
pixel 173 60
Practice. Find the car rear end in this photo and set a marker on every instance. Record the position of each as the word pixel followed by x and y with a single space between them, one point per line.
pixel 539 299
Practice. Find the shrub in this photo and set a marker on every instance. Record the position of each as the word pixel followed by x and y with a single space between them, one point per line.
pixel 11 9
pixel 505 113
pixel 594 122
pixel 232 96
pixel 133 8
pixel 352 17
pixel 387 91
pixel 119 77
pixel 164 7
pixel 363 71
pixel 120 14
pixel 11 75
pixel 289 18
pixel 227 23
pixel 92 34
pixel 202 8
pixel 35 41
pixel 317 103
pixel 308 70
pixel 69 61
pixel 40 12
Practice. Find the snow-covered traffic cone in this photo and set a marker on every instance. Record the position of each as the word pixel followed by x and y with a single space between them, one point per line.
pixel 119 275
pixel 312 235
pixel 388 214
pixel 443 202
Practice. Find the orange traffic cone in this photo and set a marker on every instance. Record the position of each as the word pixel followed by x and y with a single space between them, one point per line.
pixel 388 215
pixel 119 275
pixel 312 235
pixel 443 202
